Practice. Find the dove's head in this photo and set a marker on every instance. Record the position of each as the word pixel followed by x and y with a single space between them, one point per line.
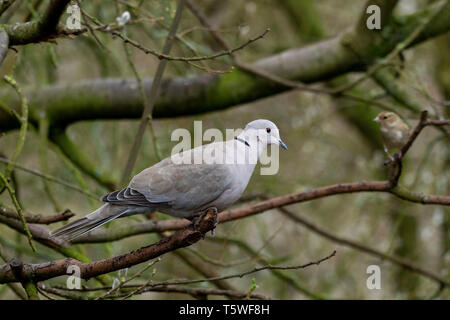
pixel 263 132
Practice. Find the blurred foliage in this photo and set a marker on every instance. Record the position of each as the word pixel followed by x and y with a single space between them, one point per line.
pixel 325 147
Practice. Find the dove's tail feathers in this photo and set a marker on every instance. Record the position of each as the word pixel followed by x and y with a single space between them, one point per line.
pixel 99 217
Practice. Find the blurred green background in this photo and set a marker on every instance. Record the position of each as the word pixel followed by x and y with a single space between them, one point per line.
pixel 329 142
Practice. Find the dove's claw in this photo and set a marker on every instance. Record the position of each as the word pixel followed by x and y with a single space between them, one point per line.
pixel 216 219
pixel 196 220
pixel 216 222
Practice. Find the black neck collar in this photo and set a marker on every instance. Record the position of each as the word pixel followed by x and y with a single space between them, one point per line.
pixel 242 140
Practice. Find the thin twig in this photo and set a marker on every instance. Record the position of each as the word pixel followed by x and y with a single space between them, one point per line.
pixel 51 178
pixel 288 279
pixel 144 100
pixel 121 284
pixel 231 276
pixel 12 193
pixel 43 157
pixel 39 272
pixel 23 125
pixel 202 293
pixel 154 91
pixel 363 248
pixel 194 292
pixel 163 56
pixel 89 27
pixel 38 219
pixel 396 164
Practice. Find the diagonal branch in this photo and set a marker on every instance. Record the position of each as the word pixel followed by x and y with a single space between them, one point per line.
pixel 396 164
pixel 20 214
pixel 182 238
pixel 358 246
pixel 51 178
pixel 4 5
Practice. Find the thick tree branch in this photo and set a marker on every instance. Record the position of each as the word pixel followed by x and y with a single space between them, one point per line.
pixel 36 31
pixel 119 99
pixel 182 238
pixel 19 292
pixel 41 234
pixel 16 267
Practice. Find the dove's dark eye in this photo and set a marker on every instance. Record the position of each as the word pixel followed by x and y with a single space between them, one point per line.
pixel 385 117
pixel 268 130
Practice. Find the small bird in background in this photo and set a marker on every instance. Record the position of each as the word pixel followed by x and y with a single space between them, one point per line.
pixel 394 131
pixel 185 190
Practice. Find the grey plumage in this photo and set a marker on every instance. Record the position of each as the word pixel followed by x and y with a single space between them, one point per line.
pixel 184 190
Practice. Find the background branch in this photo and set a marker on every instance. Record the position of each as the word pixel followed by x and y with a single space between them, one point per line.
pixel 118 99
pixel 36 31
pixel 153 95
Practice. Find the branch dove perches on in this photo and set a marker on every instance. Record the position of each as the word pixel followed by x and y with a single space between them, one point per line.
pixel 186 189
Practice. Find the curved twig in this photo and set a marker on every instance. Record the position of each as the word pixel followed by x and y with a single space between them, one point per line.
pixel 355 245
pixel 38 219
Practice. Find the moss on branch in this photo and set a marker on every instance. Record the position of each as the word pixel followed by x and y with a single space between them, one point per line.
pixel 120 98
pixel 36 31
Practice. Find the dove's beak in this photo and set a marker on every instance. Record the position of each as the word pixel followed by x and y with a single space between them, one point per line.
pixel 376 119
pixel 282 144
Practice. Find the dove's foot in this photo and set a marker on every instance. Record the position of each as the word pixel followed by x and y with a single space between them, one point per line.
pixel 196 220
pixel 216 222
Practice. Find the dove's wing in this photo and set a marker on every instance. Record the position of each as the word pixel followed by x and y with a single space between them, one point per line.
pixel 126 196
pixel 184 187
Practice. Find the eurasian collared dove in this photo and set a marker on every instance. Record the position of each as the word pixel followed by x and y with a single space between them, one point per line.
pixel 184 187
